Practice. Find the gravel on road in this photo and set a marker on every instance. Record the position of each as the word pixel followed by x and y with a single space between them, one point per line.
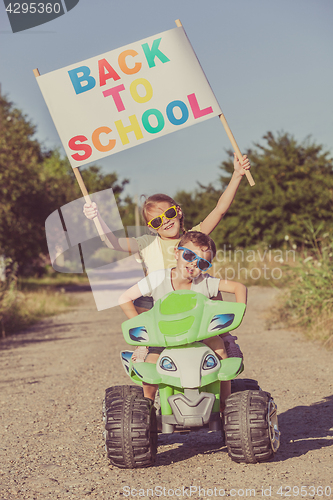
pixel 53 379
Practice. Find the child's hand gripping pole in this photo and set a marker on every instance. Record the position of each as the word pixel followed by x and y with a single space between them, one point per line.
pixel 85 193
pixel 236 148
pixel 83 188
pixel 229 133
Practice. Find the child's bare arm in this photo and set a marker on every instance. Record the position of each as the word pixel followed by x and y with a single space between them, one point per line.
pixel 227 197
pixel 238 289
pixel 126 301
pixel 123 244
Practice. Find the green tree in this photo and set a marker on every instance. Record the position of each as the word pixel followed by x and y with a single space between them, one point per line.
pixel 21 158
pixel 33 183
pixel 61 186
pixel 294 184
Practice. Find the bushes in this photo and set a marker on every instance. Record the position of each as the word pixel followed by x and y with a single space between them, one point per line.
pixel 310 300
pixel 8 291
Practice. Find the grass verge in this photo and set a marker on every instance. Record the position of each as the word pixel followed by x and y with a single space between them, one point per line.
pixel 309 302
pixel 26 301
pixel 27 308
pixel 306 276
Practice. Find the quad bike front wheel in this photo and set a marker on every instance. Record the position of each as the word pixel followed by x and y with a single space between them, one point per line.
pixel 244 384
pixel 131 432
pixel 119 392
pixel 251 426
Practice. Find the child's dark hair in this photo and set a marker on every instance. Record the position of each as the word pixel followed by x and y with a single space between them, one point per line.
pixel 154 200
pixel 199 239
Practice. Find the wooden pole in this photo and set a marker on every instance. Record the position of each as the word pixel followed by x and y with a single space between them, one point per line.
pixel 137 216
pixel 83 188
pixel 236 148
pixel 228 131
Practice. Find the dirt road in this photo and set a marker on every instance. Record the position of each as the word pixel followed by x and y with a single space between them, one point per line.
pixel 52 385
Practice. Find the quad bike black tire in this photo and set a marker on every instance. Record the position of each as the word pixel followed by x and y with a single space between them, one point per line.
pixel 131 432
pixel 251 427
pixel 238 385
pixel 244 384
pixel 119 392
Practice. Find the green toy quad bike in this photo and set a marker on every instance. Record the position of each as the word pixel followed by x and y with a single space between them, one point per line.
pixel 188 374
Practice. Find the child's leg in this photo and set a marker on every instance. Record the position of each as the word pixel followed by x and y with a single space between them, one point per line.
pixel 217 345
pixel 225 391
pixel 140 354
pixel 142 304
pixel 149 390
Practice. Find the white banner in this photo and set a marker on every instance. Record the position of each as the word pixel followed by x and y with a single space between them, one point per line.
pixel 128 96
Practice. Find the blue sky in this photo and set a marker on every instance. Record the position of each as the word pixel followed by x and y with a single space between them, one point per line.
pixel 269 64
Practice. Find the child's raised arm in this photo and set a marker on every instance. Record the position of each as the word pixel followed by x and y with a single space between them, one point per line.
pixel 238 289
pixel 123 244
pixel 227 197
pixel 126 300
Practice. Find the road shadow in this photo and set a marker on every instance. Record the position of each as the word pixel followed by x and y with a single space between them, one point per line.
pixel 200 442
pixel 15 342
pixel 306 428
pixel 303 429
pixel 77 288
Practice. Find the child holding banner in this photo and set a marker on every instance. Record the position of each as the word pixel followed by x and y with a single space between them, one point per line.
pixel 165 216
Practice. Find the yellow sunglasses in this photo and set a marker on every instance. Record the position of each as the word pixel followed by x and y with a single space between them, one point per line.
pixel 157 222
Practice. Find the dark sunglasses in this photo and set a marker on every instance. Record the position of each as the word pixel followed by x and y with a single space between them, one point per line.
pixel 157 222
pixel 190 256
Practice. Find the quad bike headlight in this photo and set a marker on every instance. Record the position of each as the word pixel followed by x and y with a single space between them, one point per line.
pixel 166 363
pixel 209 362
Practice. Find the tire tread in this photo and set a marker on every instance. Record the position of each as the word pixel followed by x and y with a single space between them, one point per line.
pixel 131 430
pixel 246 426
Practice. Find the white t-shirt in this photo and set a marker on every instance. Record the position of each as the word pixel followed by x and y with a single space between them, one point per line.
pixel 157 253
pixel 159 283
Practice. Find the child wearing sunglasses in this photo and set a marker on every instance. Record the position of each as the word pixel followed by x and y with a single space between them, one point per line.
pixel 165 218
pixel 193 257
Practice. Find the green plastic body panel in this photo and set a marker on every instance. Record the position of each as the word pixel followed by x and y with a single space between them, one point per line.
pixel 213 388
pixel 231 367
pixel 182 317
pixel 165 391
